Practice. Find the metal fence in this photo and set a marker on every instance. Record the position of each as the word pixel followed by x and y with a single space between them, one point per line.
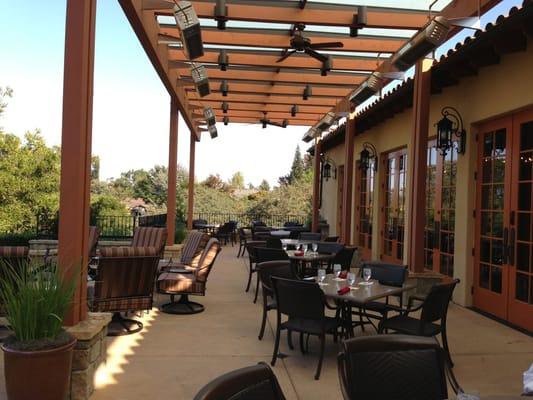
pixel 246 219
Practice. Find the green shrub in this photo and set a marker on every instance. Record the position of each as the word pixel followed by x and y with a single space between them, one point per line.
pixel 180 231
pixel 17 239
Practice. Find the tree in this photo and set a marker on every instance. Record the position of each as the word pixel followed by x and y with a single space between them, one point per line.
pixel 4 93
pixel 264 186
pixel 297 168
pixel 95 168
pixel 214 182
pixel 237 181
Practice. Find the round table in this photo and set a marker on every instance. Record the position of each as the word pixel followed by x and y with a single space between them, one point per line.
pixel 280 233
pixel 309 257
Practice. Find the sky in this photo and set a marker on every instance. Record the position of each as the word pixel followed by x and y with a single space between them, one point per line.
pixel 131 105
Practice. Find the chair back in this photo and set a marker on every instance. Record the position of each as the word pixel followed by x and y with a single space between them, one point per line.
pixel 125 279
pixel 268 269
pixel 147 236
pixel 208 260
pixel 329 248
pixel 268 254
pixel 292 224
pixel 196 223
pixel 227 227
pixel 299 299
pixel 245 233
pixel 13 256
pixel 294 234
pixel 398 367
pixel 193 247
pixel 310 236
pixel 344 257
pixel 94 235
pixel 331 239
pixel 435 305
pixel 273 243
pixel 257 382
pixel 387 274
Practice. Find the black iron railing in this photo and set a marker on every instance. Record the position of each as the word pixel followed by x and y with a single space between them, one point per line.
pixel 246 219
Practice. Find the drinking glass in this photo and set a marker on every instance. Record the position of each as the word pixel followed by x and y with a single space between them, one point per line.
pixel 284 246
pixel 337 270
pixel 367 274
pixel 304 247
pixel 321 275
pixel 351 279
pixel 315 247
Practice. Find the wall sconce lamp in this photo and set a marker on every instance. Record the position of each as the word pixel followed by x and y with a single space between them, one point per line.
pixel 329 168
pixel 447 128
pixel 191 34
pixel 367 154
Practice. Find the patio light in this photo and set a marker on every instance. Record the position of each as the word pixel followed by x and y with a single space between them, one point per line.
pixel 191 34
pixel 200 79
pixel 223 60
pixel 225 120
pixel 326 66
pixel 308 91
pixel 329 168
pixel 212 131
pixel 447 128
pixel 312 133
pixel 224 88
pixel 368 153
pixel 326 121
pixel 225 107
pixel 294 110
pixel 209 116
pixel 221 14
pixel 366 90
pixel 432 36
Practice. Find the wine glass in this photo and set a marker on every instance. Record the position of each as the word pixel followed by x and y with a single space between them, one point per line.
pixel 337 270
pixel 284 246
pixel 351 279
pixel 314 247
pixel 367 274
pixel 304 247
pixel 321 275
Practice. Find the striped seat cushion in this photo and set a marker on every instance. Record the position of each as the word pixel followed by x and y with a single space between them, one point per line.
pixel 170 282
pixel 14 251
pixel 150 237
pixel 128 251
pixel 194 245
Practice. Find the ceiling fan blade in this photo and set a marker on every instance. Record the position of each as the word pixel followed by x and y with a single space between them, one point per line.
pixel 316 54
pixel 326 45
pixel 286 55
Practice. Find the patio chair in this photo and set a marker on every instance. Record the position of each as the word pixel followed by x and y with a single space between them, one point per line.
pixel 124 283
pixel 94 235
pixel 198 223
pixel 292 224
pixel 273 243
pixel 344 257
pixel 331 239
pixel 434 307
pixel 193 247
pixel 225 232
pixel 267 254
pixel 398 367
pixel 189 282
pixel 315 237
pixel 252 255
pixel 267 270
pixel 147 236
pixel 304 304
pixel 245 234
pixel 257 382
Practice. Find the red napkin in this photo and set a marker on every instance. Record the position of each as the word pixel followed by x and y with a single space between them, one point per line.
pixel 298 253
pixel 343 274
pixel 344 290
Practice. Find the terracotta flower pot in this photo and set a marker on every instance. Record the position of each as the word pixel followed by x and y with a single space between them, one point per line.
pixel 41 374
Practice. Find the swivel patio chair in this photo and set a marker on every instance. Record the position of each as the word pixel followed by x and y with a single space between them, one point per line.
pixel 124 283
pixel 267 254
pixel 245 234
pixel 94 235
pixel 304 304
pixel 193 247
pixel 398 367
pixel 266 270
pixel 315 237
pixel 147 236
pixel 434 307
pixel 257 382
pixel 186 283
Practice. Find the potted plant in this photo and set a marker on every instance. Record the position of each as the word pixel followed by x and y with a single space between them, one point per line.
pixel 38 355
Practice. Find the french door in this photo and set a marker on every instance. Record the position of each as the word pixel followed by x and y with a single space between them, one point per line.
pixel 364 205
pixel 393 205
pixel 503 284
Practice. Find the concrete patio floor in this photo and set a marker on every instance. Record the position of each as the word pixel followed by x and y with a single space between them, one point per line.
pixel 174 356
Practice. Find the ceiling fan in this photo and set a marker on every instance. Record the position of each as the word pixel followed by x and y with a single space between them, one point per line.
pixel 265 121
pixel 300 43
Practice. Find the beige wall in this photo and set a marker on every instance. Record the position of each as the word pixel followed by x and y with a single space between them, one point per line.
pixel 496 90
pixel 328 211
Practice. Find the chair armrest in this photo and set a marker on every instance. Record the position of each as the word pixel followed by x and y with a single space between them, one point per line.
pixel 342 375
pixel 414 297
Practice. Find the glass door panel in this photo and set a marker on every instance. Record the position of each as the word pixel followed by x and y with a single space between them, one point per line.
pixel 364 206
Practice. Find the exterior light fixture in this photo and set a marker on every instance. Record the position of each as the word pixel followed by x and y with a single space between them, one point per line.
pixel 294 110
pixel 447 128
pixel 223 60
pixel 366 90
pixel 311 134
pixel 432 36
pixel 329 168
pixel 224 87
pixel 191 34
pixel 367 154
pixel 225 120
pixel 284 123
pixel 225 107
pixel 308 92
pixel 221 14
pixel 326 66
pixel 359 21
pixel 212 131
pixel 209 116
pixel 200 79
pixel 326 121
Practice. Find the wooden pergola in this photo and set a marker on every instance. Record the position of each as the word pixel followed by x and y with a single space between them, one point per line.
pixel 255 35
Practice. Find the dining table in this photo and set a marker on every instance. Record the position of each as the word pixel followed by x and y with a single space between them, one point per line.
pixel 208 228
pixel 280 233
pixel 309 257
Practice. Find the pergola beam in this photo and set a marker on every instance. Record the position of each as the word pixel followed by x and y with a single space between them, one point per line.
pixel 316 110
pixel 264 99
pixel 270 114
pixel 255 121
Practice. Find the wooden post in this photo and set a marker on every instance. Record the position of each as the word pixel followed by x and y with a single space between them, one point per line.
pixel 418 166
pixel 172 171
pixel 316 186
pixel 346 235
pixel 74 192
pixel 190 207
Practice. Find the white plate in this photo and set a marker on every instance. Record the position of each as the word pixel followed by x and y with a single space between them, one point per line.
pixel 366 283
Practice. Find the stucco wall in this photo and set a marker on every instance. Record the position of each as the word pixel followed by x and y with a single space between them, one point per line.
pixel 495 91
